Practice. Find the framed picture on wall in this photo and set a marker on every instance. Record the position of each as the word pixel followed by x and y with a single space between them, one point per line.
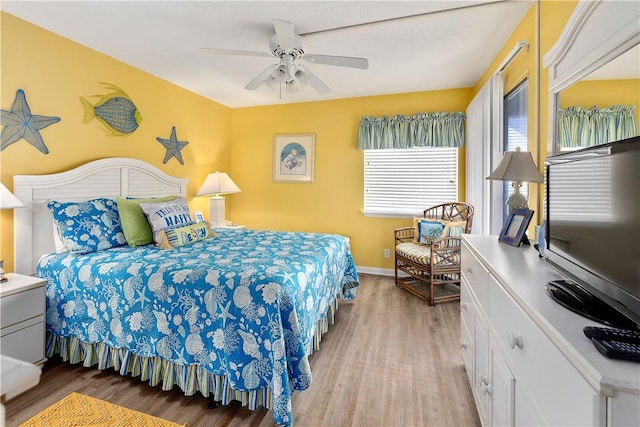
pixel 515 227
pixel 294 157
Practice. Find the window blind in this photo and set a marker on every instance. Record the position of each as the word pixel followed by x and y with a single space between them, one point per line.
pixel 399 183
pixel 582 191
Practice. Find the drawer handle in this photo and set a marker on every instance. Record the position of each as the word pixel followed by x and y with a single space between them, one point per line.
pixel 464 345
pixel 485 386
pixel 515 340
pixel 486 389
pixel 464 306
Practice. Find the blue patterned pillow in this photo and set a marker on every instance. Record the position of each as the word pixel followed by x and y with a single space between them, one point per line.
pixel 88 226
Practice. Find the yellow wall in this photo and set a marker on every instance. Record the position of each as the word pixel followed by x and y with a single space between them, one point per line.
pixel 333 203
pixel 602 93
pixel 554 16
pixel 54 72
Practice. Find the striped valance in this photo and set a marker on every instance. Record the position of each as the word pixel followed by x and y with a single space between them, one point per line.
pixel 419 130
pixel 580 127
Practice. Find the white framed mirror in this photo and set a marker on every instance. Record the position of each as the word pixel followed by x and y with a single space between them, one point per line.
pixel 596 62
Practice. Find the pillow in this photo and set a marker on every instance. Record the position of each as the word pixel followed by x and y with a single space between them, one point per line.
pixel 87 226
pixel 180 236
pixel 427 230
pixel 134 223
pixel 161 215
pixel 57 242
pixel 453 229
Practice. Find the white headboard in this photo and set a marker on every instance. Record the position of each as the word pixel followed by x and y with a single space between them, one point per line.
pixel 112 177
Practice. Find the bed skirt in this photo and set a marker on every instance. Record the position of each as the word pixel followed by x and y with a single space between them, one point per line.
pixel 190 378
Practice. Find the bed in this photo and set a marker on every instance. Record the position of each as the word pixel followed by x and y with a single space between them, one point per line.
pixel 234 316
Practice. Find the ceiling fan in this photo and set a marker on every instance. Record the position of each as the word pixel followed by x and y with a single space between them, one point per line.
pixel 289 47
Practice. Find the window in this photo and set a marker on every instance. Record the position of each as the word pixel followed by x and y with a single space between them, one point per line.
pixel 515 132
pixel 403 183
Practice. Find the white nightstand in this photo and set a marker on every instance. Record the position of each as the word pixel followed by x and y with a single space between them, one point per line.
pixel 22 318
pixel 16 377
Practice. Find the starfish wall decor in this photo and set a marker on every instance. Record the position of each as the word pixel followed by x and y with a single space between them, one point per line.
pixel 173 147
pixel 19 124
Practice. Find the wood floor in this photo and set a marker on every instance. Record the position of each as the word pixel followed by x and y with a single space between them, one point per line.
pixel 390 360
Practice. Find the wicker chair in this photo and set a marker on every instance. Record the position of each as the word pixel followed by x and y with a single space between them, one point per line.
pixel 432 269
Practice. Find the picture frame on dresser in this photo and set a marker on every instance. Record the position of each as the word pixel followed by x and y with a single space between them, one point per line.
pixel 515 227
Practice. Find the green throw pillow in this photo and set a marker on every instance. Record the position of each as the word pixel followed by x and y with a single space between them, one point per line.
pixel 134 223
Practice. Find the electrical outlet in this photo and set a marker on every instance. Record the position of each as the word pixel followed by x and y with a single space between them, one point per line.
pixel 387 253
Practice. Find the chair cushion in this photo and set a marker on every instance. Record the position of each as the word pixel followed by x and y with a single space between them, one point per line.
pixel 421 254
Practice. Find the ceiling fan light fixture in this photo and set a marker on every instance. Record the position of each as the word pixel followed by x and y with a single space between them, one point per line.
pixel 293 86
pixel 301 77
pixel 288 46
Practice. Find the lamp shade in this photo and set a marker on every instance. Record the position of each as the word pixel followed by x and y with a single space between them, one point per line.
pixel 217 183
pixel 8 200
pixel 517 166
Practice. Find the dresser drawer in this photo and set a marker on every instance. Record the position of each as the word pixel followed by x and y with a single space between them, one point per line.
pixel 466 303
pixel 27 343
pixel 466 349
pixel 21 306
pixel 476 275
pixel 537 364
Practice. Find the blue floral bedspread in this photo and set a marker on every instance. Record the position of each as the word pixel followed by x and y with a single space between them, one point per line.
pixel 244 304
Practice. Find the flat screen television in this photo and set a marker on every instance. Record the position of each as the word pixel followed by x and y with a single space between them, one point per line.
pixel 593 231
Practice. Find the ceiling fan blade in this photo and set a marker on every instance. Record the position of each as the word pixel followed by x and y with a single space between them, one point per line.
pixel 341 61
pixel 260 78
pixel 284 33
pixel 213 51
pixel 304 74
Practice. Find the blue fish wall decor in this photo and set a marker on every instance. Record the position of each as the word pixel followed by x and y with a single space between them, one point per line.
pixel 115 111
pixel 19 124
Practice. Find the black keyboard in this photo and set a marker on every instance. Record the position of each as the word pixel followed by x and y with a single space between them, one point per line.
pixel 618 349
pixel 613 334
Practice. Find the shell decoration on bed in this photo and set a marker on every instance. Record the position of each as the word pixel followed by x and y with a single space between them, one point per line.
pixel 115 110
pixel 18 123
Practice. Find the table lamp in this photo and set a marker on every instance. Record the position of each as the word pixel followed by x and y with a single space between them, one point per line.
pixel 517 166
pixel 7 201
pixel 214 185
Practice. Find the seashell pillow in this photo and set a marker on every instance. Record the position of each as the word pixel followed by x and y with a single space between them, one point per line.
pixel 87 226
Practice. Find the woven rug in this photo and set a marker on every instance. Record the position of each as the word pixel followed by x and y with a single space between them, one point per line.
pixel 78 410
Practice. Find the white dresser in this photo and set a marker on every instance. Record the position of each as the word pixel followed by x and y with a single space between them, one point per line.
pixel 526 357
pixel 22 314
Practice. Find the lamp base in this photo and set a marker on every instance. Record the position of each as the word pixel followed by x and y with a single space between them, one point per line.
pixel 216 211
pixel 516 200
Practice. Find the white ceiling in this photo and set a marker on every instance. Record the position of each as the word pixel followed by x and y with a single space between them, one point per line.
pixel 411 45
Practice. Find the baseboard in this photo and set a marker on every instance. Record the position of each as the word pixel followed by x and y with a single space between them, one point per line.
pixel 376 271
